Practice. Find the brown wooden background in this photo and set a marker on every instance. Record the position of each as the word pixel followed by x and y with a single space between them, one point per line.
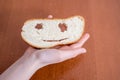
pixel 102 61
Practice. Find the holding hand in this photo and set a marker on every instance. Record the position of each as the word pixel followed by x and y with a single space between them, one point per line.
pixel 58 54
pixel 34 59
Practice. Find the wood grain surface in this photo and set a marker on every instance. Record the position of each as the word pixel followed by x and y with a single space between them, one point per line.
pixel 102 61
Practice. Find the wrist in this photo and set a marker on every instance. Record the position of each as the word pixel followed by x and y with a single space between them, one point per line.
pixel 24 68
pixel 34 61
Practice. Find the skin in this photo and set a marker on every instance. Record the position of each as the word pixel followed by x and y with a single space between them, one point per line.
pixel 34 59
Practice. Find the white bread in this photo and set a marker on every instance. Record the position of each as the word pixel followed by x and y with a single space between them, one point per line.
pixel 50 33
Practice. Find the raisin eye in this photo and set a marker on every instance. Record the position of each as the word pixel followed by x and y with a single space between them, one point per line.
pixel 62 27
pixel 38 26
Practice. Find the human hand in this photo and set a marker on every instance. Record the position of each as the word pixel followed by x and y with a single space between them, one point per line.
pixel 33 59
pixel 58 54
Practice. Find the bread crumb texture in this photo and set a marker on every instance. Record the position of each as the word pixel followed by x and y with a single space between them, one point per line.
pixel 46 33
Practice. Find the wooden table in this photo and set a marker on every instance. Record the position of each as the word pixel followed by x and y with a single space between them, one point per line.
pixel 102 61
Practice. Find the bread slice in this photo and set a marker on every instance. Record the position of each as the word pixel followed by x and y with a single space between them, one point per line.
pixel 46 33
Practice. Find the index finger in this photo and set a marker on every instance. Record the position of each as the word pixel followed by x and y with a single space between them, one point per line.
pixel 81 42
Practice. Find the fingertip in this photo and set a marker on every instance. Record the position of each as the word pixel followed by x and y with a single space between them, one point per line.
pixel 50 16
pixel 30 49
pixel 82 40
pixel 87 34
pixel 83 50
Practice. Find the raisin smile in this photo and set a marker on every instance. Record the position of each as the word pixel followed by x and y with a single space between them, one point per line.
pixel 55 40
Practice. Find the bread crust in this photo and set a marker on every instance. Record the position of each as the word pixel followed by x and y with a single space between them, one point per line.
pixel 56 44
